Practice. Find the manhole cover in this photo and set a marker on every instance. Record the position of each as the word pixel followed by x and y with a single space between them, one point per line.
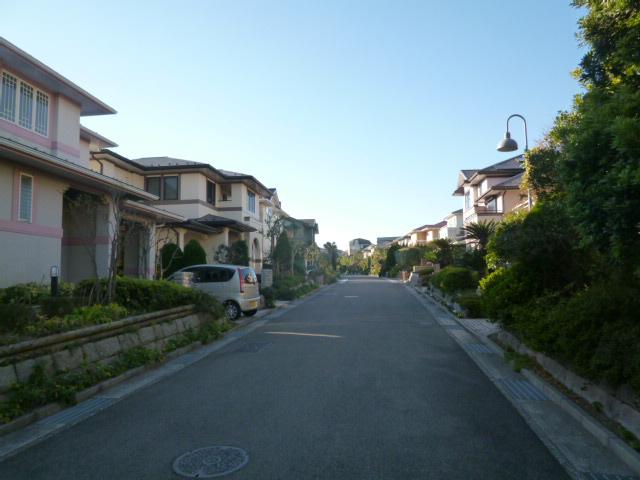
pixel 210 462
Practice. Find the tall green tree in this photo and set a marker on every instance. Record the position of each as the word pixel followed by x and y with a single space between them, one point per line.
pixel 194 254
pixel 332 252
pixel 590 160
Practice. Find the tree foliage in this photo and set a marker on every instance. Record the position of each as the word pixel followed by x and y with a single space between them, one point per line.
pixel 194 254
pixel 239 253
pixel 590 159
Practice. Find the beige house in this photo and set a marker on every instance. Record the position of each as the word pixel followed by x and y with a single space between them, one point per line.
pixel 55 209
pixel 215 207
pixel 452 228
pixel 424 234
pixel 492 192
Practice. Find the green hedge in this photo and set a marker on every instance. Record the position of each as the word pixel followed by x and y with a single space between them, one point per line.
pixel 472 304
pixel 454 279
pixel 32 293
pixel 139 295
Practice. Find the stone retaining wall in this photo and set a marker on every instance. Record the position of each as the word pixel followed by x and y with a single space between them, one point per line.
pixel 621 405
pixel 96 344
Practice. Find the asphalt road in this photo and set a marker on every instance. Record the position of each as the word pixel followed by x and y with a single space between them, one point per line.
pixel 374 389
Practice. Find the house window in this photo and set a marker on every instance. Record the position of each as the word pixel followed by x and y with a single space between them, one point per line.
pixel 42 113
pixel 225 192
pixel 492 205
pixel 252 202
pixel 8 99
pixel 17 100
pixel 211 192
pixel 26 106
pixel 170 187
pixel 165 187
pixel 25 207
pixel 153 185
pixel 467 200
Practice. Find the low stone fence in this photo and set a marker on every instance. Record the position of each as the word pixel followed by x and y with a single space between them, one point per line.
pixel 95 344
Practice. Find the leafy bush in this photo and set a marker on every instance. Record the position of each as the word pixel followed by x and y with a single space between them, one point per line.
pixel 81 317
pixel 472 304
pixel 269 297
pixel 31 293
pixel 59 306
pixel 15 317
pixel 140 295
pixel 194 254
pixel 453 279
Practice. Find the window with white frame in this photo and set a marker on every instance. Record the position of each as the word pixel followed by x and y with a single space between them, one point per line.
pixel 467 200
pixel 25 207
pixel 23 104
pixel 252 202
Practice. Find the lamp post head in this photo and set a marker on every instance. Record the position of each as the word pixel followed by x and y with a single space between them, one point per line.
pixel 507 144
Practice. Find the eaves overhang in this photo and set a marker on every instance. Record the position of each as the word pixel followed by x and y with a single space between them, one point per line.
pixel 34 70
pixel 76 174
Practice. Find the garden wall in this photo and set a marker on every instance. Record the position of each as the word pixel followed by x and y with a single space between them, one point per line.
pixel 103 343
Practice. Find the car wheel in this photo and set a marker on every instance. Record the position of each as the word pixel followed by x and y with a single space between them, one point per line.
pixel 232 310
pixel 250 313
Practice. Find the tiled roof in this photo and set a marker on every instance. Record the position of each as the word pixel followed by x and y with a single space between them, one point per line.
pixel 513 163
pixel 513 182
pixel 165 162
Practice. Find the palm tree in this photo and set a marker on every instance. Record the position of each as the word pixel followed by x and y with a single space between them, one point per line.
pixel 444 251
pixel 332 252
pixel 479 233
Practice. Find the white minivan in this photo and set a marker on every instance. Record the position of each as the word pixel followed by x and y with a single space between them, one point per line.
pixel 236 286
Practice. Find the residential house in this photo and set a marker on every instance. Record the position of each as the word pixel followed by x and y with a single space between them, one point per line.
pixel 357 244
pixel 491 192
pixel 424 234
pixel 218 207
pixel 55 210
pixel 384 241
pixel 452 229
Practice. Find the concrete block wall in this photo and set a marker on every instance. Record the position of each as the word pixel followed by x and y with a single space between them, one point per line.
pixel 69 356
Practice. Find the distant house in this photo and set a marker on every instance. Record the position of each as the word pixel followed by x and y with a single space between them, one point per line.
pixel 385 241
pixel 357 244
pixel 491 192
pixel 424 234
pixel 453 226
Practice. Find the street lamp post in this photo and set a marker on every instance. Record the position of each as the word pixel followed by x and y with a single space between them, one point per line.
pixel 508 144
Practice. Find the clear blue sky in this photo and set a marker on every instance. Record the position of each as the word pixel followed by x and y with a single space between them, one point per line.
pixel 361 113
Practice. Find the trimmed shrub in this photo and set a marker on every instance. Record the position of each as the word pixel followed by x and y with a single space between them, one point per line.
pixel 408 257
pixel 472 305
pixel 140 295
pixel 269 297
pixel 453 279
pixel 239 253
pixel 194 254
pixel 15 317
pixel 171 258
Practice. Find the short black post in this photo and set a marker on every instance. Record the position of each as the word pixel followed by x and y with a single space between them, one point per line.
pixel 54 281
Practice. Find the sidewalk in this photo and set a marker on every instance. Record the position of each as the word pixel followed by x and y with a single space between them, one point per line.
pixel 577 441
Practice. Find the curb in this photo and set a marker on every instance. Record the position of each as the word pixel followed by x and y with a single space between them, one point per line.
pixel 606 437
